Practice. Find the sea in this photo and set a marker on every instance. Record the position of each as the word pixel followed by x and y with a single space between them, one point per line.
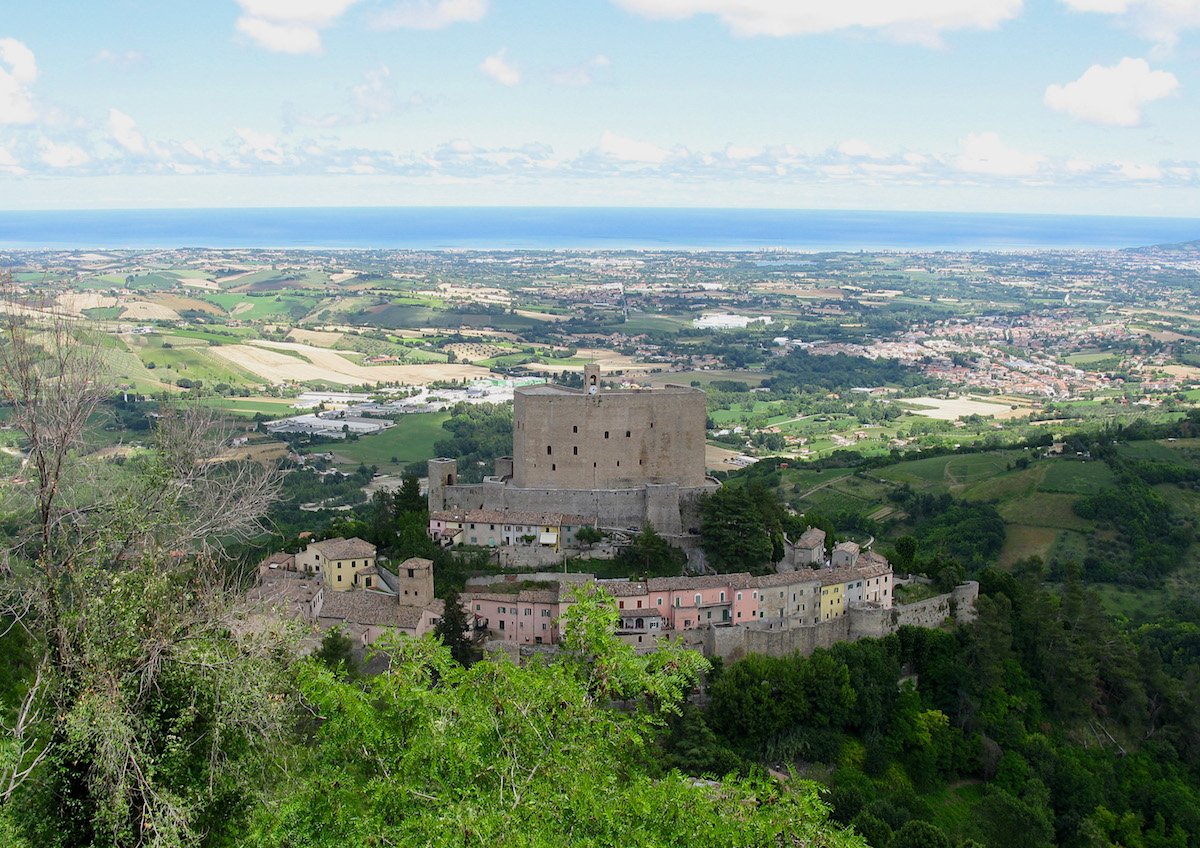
pixel 581 228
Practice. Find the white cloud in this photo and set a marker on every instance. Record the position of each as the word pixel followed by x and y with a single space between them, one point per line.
pixel 9 163
pixel 373 99
pixel 985 153
pixel 125 132
pixel 742 152
pixel 281 38
pixel 262 146
pixel 63 155
pixel 1139 171
pixel 289 26
pixel 859 149
pixel 18 72
pixel 498 67
pixel 1107 7
pixel 578 76
pixel 126 61
pixel 1112 96
pixel 1160 21
pixel 375 96
pixel 431 14
pixel 905 20
pixel 631 150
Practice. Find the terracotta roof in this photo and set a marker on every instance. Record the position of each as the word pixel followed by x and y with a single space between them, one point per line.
pixel 787 578
pixel 531 596
pixel 353 548
pixel 737 580
pixel 813 537
pixel 622 588
pixel 371 609
pixel 416 562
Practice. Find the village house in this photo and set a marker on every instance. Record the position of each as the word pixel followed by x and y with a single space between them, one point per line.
pixel 845 555
pixel 365 598
pixel 339 562
pixel 805 552
pixel 492 528
pixel 669 606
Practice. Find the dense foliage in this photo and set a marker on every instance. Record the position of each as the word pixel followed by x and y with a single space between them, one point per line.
pixel 1068 730
pixel 742 527
pixel 799 369
pixel 650 555
pixel 432 753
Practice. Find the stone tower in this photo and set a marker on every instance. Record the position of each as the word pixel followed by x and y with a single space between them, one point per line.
pixel 599 439
pixel 442 473
pixel 414 582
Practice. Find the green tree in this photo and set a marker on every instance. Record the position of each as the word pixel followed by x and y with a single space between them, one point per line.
pixel 337 651
pixel 149 704
pixel 499 754
pixel 904 551
pixel 408 497
pixel 587 535
pixel 875 830
pixel 732 531
pixel 1009 822
pixel 920 834
pixel 452 629
pixel 651 555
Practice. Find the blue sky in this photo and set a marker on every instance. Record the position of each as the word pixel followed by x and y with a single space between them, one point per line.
pixel 1079 106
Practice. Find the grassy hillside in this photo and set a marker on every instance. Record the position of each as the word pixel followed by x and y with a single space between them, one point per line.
pixel 411 440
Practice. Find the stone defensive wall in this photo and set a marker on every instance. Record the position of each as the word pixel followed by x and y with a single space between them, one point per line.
pixel 671 508
pixel 861 621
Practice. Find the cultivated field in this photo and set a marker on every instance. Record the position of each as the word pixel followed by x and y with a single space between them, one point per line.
pixel 318 338
pixel 306 363
pixel 75 302
pixel 144 310
pixel 955 408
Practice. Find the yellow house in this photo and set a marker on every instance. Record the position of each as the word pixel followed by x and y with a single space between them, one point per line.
pixel 833 602
pixel 338 561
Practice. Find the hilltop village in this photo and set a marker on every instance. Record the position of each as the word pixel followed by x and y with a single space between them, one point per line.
pixel 613 460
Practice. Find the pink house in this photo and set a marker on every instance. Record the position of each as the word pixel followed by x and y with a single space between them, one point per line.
pixel 666 606
pixel 528 617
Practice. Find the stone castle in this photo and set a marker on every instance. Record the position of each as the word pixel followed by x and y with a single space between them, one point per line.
pixel 614 459
pixel 618 458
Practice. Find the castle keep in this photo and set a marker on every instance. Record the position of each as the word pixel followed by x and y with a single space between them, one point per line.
pixel 616 457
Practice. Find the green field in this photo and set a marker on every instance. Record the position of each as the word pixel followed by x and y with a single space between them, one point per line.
pixel 1022 541
pixel 231 335
pixel 704 378
pixel 1082 478
pixel 954 472
pixel 248 407
pixel 1149 450
pixel 191 362
pixel 262 308
pixel 954 809
pixel 847 493
pixel 411 440
pixel 642 322
pixel 1044 509
pixel 103 313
